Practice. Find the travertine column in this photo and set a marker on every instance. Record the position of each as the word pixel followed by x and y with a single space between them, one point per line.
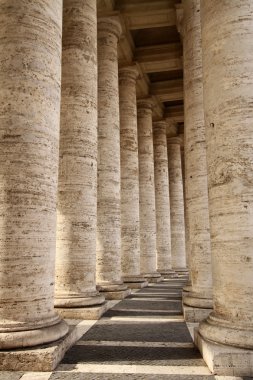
pixel 108 224
pixel 130 217
pixel 162 199
pixel 77 189
pixel 199 294
pixel 177 224
pixel 147 190
pixel 30 76
pixel 227 28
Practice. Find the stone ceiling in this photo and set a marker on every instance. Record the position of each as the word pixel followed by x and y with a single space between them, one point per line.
pixel 151 40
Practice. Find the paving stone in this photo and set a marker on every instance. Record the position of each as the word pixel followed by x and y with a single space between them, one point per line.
pixel 10 375
pixel 139 313
pixel 134 356
pixel 142 331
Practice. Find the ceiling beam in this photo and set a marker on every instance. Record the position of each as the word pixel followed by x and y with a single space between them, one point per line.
pixel 168 90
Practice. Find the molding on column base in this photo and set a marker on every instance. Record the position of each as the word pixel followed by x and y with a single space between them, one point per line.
pixel 195 314
pixel 224 360
pixel 87 313
pixel 181 271
pixel 197 300
pixel 12 339
pixel 135 282
pixel 113 291
pixel 168 273
pixel 153 277
pixel 78 302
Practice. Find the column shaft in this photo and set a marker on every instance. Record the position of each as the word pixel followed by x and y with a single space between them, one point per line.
pixel 176 204
pixel 162 199
pixel 130 219
pixel 199 294
pixel 108 224
pixel 227 34
pixel 77 189
pixel 30 75
pixel 147 189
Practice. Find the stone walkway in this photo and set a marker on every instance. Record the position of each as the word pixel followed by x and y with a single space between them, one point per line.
pixel 143 337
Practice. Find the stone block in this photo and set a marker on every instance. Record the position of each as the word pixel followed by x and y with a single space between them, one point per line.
pixel 117 295
pixel 43 358
pixel 195 314
pixel 225 360
pixel 136 285
pixel 90 313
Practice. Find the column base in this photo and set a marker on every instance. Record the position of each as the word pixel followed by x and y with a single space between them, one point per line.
pixel 135 282
pixel 79 302
pixel 225 360
pixel 114 291
pixel 195 314
pixel 43 358
pixel 10 340
pixel 153 277
pixel 87 313
pixel 181 271
pixel 169 273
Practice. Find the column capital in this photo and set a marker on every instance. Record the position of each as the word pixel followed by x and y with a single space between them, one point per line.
pixel 174 140
pixel 129 72
pixel 145 104
pixel 160 123
pixel 110 25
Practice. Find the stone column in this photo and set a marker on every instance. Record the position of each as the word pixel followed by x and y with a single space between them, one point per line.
pixel 176 205
pixel 162 199
pixel 197 298
pixel 227 38
pixel 77 189
pixel 147 190
pixel 30 75
pixel 130 217
pixel 108 224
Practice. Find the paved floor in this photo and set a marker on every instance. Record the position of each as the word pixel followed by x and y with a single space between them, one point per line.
pixel 143 337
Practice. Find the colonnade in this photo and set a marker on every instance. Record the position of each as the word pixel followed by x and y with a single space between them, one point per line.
pixel 84 186
pixel 91 187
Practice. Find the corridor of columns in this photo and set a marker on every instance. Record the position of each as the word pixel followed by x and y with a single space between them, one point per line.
pixel 126 244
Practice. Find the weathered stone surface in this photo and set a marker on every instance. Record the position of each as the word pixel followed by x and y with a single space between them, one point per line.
pixel 77 189
pixel 225 360
pixel 176 204
pixel 227 35
pixel 108 222
pixel 30 76
pixel 162 199
pixel 147 188
pixel 130 219
pixel 199 294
